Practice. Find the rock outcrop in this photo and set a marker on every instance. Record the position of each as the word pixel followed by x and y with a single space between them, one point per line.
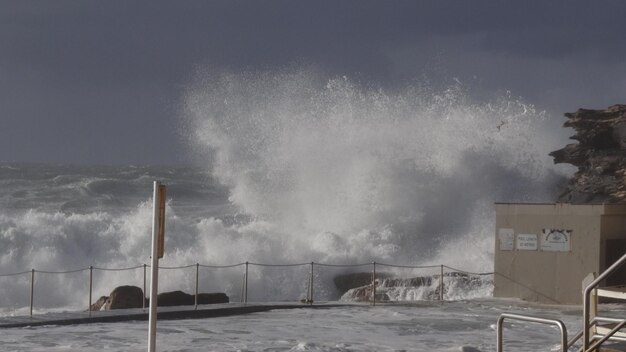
pixel 125 297
pixel 364 294
pixel 100 304
pixel 346 282
pixel 385 285
pixel 212 298
pixel 600 156
pixel 414 288
pixel 180 298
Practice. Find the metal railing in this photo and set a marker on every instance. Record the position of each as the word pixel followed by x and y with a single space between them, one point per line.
pixel 593 323
pixel 588 337
pixel 244 285
pixel 556 322
pixel 587 306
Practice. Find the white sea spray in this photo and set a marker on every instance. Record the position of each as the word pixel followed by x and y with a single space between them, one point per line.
pixel 298 169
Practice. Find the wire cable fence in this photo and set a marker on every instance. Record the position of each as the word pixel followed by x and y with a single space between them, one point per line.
pixel 310 271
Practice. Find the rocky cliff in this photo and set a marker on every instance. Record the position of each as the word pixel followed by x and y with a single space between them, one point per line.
pixel 600 156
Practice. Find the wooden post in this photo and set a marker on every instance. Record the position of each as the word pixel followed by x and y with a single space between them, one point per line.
pixel 158 241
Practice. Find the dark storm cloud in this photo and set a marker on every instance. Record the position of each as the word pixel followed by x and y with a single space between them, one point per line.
pixel 99 81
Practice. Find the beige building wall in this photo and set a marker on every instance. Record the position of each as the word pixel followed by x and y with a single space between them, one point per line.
pixel 554 276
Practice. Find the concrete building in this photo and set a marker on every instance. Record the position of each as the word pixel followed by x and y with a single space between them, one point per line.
pixel 544 251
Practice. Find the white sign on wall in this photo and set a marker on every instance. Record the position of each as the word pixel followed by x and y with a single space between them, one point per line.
pixel 556 240
pixel 507 239
pixel 526 242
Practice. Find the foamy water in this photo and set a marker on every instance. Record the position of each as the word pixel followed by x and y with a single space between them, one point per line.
pixel 462 326
pixel 349 173
pixel 297 170
pixel 294 170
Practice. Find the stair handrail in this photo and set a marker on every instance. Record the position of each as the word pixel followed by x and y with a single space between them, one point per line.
pixel 587 302
pixel 532 319
pixel 613 331
pixel 594 321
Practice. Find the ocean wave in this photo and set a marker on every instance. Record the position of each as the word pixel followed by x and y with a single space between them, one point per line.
pixel 298 170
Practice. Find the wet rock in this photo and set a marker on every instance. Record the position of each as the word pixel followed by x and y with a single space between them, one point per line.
pixel 364 294
pixel 346 282
pixel 387 289
pixel 599 155
pixel 410 282
pixel 125 297
pixel 180 298
pixel 175 298
pixel 212 298
pixel 99 304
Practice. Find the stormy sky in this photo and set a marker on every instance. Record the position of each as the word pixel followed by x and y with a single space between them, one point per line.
pixel 101 82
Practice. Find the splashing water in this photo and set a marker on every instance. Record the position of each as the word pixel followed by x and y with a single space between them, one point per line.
pixel 347 173
pixel 325 171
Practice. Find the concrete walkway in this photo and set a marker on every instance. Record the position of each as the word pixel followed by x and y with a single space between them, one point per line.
pixel 164 313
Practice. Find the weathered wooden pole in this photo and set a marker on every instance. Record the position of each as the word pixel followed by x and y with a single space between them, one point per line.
pixel 158 240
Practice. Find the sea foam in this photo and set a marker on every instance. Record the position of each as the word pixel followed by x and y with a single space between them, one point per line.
pixel 347 173
pixel 297 169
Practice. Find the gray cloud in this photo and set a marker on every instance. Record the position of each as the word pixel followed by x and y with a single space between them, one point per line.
pixel 93 81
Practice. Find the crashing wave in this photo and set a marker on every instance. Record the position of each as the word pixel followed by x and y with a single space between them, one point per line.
pixel 456 286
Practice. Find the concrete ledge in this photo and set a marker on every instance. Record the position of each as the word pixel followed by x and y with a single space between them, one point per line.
pixel 174 313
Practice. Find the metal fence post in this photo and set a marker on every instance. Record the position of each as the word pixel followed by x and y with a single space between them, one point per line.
pixel 197 278
pixel 441 284
pixel 311 286
pixel 32 290
pixel 245 286
pixel 90 287
pixel 143 304
pixel 374 284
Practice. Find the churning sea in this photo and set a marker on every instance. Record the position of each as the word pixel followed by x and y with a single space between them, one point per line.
pixel 291 171
pixel 58 218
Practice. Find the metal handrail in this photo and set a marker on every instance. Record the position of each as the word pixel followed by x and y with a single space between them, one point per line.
pixel 587 301
pixel 617 328
pixel 594 321
pixel 574 339
pixel 556 322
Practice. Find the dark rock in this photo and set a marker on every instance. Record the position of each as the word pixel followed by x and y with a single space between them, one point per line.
pixel 600 156
pixel 175 298
pixel 411 282
pixel 99 304
pixel 346 282
pixel 180 298
pixel 124 297
pixel 364 294
pixel 387 285
pixel 212 298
